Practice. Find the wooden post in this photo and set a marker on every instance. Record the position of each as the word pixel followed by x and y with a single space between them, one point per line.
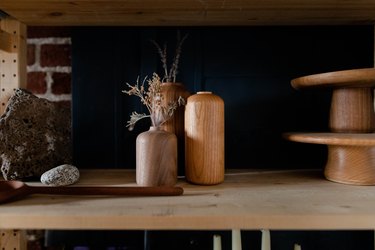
pixel 12 75
pixel 13 239
pixel 12 58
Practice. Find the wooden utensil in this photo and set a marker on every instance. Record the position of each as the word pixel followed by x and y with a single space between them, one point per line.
pixel 14 190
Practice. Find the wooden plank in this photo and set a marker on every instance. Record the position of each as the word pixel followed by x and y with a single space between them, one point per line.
pixel 249 199
pixel 13 239
pixel 12 63
pixel 6 41
pixel 186 12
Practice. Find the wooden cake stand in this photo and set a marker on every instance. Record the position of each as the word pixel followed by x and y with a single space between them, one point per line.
pixel 351 144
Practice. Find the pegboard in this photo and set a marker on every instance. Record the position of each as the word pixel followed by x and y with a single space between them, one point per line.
pixel 13 240
pixel 12 59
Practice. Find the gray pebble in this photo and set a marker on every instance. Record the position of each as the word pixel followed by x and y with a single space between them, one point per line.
pixel 62 175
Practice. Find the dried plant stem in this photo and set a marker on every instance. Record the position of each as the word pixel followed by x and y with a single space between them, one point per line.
pixel 170 76
pixel 163 58
pixel 173 72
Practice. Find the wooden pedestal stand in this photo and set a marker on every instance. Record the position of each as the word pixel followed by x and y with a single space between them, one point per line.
pixel 351 145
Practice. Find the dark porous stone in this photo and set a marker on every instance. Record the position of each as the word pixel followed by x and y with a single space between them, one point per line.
pixel 35 136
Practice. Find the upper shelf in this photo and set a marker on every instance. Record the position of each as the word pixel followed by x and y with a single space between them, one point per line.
pixel 189 12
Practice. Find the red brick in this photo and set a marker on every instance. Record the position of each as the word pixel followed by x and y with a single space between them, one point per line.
pixel 30 54
pixel 40 32
pixel 55 55
pixel 64 103
pixel 36 82
pixel 61 83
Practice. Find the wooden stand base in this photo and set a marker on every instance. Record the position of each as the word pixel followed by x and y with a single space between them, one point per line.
pixel 351 165
pixel 351 157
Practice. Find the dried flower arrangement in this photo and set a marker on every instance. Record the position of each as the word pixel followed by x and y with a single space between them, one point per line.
pixel 170 76
pixel 152 99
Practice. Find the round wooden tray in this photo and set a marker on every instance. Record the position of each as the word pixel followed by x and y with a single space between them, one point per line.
pixel 351 157
pixel 342 139
pixel 346 78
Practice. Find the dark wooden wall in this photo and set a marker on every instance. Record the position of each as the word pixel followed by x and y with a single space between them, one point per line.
pixel 249 67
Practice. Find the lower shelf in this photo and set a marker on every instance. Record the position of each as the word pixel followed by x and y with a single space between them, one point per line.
pixel 248 199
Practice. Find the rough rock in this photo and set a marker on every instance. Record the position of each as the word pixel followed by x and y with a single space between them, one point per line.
pixel 61 176
pixel 35 136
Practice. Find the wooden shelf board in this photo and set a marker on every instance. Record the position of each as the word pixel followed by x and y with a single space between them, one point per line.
pixel 248 199
pixel 344 78
pixel 186 12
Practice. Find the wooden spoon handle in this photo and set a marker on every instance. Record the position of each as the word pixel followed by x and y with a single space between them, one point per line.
pixel 123 191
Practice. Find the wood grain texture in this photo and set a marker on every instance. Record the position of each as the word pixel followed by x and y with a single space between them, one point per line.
pixel 171 92
pixel 351 165
pixel 351 157
pixel 204 139
pixel 337 79
pixel 352 110
pixel 156 158
pixel 247 199
pixel 187 13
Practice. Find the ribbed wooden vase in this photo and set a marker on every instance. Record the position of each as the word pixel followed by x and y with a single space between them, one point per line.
pixel 171 92
pixel 204 139
pixel 156 158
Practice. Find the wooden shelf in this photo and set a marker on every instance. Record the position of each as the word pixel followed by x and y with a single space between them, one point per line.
pixel 186 12
pixel 295 199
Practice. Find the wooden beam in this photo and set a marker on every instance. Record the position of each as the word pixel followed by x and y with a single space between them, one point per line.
pixel 190 13
pixel 12 61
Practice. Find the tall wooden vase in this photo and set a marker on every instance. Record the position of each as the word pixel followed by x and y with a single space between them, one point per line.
pixel 156 158
pixel 171 92
pixel 204 131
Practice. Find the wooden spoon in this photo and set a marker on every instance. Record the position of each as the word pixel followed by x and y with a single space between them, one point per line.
pixel 13 190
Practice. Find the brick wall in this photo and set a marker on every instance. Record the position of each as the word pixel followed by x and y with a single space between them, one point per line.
pixel 49 63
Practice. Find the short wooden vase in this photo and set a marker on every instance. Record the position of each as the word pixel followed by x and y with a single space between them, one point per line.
pixel 156 158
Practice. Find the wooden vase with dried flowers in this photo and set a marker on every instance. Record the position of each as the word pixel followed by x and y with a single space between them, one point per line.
pixel 156 149
pixel 172 90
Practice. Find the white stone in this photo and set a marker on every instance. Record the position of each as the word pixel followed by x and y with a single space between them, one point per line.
pixel 62 175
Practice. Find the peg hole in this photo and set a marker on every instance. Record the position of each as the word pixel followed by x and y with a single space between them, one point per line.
pixel 14 60
pixel 14 75
pixel 3 89
pixel 3 75
pixel 3 61
pixel 14 46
